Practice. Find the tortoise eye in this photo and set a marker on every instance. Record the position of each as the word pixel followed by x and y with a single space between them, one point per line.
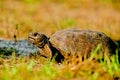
pixel 35 34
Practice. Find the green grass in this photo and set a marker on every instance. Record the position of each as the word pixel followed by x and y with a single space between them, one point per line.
pixel 65 23
pixel 18 68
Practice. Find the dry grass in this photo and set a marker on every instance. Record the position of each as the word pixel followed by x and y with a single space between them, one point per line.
pixel 47 16
pixel 43 69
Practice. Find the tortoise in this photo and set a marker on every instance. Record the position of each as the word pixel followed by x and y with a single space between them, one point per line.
pixel 71 42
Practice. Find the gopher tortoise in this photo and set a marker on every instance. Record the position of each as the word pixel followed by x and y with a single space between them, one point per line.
pixel 72 42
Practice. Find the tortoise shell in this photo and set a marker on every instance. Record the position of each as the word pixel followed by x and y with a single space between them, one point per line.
pixel 73 41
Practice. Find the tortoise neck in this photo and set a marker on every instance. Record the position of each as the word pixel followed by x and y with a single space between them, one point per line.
pixel 55 53
pixel 42 43
pixel 50 51
pixel 51 48
pixel 46 50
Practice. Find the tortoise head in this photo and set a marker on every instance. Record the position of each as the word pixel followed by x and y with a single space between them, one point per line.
pixel 38 39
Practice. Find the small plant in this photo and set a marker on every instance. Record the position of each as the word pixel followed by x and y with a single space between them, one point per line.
pixel 16 33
